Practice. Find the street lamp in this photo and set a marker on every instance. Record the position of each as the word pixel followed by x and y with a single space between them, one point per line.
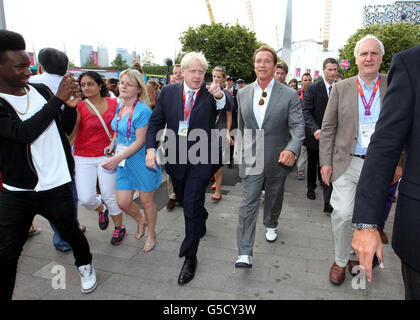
pixel 169 64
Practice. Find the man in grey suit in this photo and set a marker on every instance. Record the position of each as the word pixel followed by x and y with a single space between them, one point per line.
pixel 271 132
pixel 349 121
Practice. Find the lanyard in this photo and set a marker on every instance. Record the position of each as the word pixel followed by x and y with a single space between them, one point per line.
pixel 187 112
pixel 362 95
pixel 127 137
pixel 301 94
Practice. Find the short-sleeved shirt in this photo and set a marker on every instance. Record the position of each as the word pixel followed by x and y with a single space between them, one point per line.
pixel 135 175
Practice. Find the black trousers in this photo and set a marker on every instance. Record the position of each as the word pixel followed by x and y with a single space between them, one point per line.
pixel 190 193
pixel 17 211
pixel 313 171
pixel 411 279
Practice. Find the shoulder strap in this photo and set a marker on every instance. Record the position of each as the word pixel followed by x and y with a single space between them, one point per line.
pixel 43 90
pixel 100 118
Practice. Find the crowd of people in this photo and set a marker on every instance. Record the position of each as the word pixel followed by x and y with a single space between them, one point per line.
pixel 97 141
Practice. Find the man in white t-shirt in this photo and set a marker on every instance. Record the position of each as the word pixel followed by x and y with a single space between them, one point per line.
pixel 36 162
pixel 53 66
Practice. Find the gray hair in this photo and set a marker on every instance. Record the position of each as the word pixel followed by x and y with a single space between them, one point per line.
pixel 367 37
pixel 192 56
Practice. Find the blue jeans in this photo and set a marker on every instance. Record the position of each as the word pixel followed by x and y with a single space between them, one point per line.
pixel 58 242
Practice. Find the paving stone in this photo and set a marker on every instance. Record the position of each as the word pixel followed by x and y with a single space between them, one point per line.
pixel 296 266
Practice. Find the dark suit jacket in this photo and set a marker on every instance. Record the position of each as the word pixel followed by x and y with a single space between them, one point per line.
pixel 398 126
pixel 170 110
pixel 314 104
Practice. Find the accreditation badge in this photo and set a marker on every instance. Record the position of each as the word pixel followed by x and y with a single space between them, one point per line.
pixel 121 148
pixel 367 129
pixel 183 128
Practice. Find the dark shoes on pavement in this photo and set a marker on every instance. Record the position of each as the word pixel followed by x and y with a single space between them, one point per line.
pixel 171 204
pixel 103 219
pixel 188 270
pixel 328 209
pixel 118 235
pixel 311 194
pixel 337 274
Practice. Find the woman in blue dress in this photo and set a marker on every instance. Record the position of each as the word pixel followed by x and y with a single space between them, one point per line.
pixel 130 126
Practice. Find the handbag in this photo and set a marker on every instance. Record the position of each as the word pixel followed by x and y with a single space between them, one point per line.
pixel 100 118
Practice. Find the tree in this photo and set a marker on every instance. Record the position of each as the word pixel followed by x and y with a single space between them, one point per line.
pixel 395 37
pixel 227 46
pixel 147 58
pixel 72 65
pixel 119 63
pixel 89 63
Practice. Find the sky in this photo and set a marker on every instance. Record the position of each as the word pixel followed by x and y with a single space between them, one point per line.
pixel 156 26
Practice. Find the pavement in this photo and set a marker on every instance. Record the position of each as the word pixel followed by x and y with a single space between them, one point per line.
pixel 295 267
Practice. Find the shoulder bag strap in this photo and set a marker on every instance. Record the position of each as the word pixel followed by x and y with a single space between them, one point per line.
pixel 100 118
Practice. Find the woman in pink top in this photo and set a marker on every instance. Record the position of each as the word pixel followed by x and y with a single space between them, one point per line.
pixel 91 140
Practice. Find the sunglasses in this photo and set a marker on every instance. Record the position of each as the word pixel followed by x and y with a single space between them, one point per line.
pixel 264 95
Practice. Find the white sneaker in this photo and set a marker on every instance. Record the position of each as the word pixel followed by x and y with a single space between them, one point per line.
pixel 88 278
pixel 271 234
pixel 243 261
pixel 262 196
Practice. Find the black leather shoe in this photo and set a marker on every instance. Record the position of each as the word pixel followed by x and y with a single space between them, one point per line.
pixel 187 271
pixel 171 204
pixel 311 194
pixel 203 232
pixel 328 208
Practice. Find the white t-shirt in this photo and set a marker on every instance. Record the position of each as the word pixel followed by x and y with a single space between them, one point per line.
pixel 47 150
pixel 52 81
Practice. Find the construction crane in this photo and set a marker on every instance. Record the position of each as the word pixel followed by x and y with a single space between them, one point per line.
pixel 277 37
pixel 327 21
pixel 250 15
pixel 210 12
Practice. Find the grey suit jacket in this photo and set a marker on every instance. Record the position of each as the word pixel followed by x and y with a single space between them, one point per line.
pixel 340 125
pixel 283 128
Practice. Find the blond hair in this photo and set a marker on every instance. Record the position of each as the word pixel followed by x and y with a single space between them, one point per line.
pixel 191 57
pixel 137 77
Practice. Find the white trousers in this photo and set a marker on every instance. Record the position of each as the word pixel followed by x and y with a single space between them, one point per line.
pixel 342 200
pixel 88 171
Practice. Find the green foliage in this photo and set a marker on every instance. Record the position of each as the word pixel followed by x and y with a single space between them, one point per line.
pixel 72 65
pixel 90 64
pixel 119 63
pixel 395 37
pixel 159 70
pixel 226 46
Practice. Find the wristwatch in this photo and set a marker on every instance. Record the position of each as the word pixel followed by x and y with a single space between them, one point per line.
pixel 360 226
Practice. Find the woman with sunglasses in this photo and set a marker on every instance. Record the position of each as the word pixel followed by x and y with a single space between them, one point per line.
pixel 130 125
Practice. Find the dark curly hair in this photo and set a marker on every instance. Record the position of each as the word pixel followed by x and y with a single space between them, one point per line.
pixel 98 79
pixel 10 40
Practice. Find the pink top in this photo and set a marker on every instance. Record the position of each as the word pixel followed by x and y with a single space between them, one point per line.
pixel 92 139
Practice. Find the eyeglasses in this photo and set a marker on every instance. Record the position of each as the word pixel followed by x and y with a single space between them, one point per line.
pixel 123 83
pixel 264 95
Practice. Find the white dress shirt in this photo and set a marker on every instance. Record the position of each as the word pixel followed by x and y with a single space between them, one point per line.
pixel 259 111
pixel 220 103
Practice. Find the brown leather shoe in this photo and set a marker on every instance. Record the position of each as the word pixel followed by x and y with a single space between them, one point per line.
pixel 337 274
pixel 171 204
pixel 384 238
pixel 350 265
